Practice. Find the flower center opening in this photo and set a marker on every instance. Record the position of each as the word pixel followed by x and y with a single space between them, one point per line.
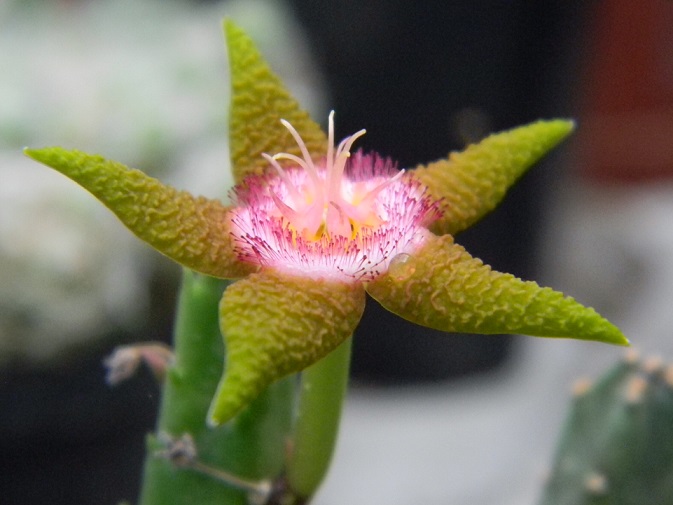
pixel 324 202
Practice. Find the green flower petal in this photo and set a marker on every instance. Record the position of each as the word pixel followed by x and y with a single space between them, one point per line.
pixel 259 101
pixel 472 183
pixel 275 325
pixel 192 231
pixel 443 287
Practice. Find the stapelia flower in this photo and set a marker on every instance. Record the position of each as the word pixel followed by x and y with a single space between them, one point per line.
pixel 312 228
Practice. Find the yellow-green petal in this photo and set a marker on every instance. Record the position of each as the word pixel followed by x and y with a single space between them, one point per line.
pixel 274 325
pixel 441 286
pixel 259 100
pixel 471 183
pixel 193 231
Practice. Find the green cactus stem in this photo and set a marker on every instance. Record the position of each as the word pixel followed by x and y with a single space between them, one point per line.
pixel 617 446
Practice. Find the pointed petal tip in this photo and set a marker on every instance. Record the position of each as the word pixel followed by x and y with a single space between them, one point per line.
pixel 565 123
pixel 217 418
pixel 622 340
pixel 237 389
pixel 565 126
pixel 213 423
pixel 38 154
pixel 596 327
pixel 548 132
pixel 31 153
pixel 606 333
pixel 229 27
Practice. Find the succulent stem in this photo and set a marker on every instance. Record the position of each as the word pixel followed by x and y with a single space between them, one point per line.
pixel 321 395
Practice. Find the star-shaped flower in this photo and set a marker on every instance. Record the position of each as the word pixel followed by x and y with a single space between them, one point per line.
pixel 313 228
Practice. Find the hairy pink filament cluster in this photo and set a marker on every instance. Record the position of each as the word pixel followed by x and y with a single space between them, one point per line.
pixel 343 215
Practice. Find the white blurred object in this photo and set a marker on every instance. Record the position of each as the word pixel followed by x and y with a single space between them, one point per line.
pixel 68 272
pixel 143 82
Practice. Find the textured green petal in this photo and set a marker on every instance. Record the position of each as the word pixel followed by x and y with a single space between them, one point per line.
pixel 275 325
pixel 472 183
pixel 443 287
pixel 259 100
pixel 192 231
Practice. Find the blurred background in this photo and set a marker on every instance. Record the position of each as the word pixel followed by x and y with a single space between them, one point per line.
pixel 431 418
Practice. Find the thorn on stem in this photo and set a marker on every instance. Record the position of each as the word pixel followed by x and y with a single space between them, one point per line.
pixel 581 387
pixel 631 356
pixel 653 364
pixel 635 390
pixel 596 484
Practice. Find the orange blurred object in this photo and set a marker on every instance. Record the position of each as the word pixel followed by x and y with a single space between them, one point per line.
pixel 626 123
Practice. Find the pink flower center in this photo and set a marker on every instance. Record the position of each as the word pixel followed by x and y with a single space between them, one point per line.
pixel 344 216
